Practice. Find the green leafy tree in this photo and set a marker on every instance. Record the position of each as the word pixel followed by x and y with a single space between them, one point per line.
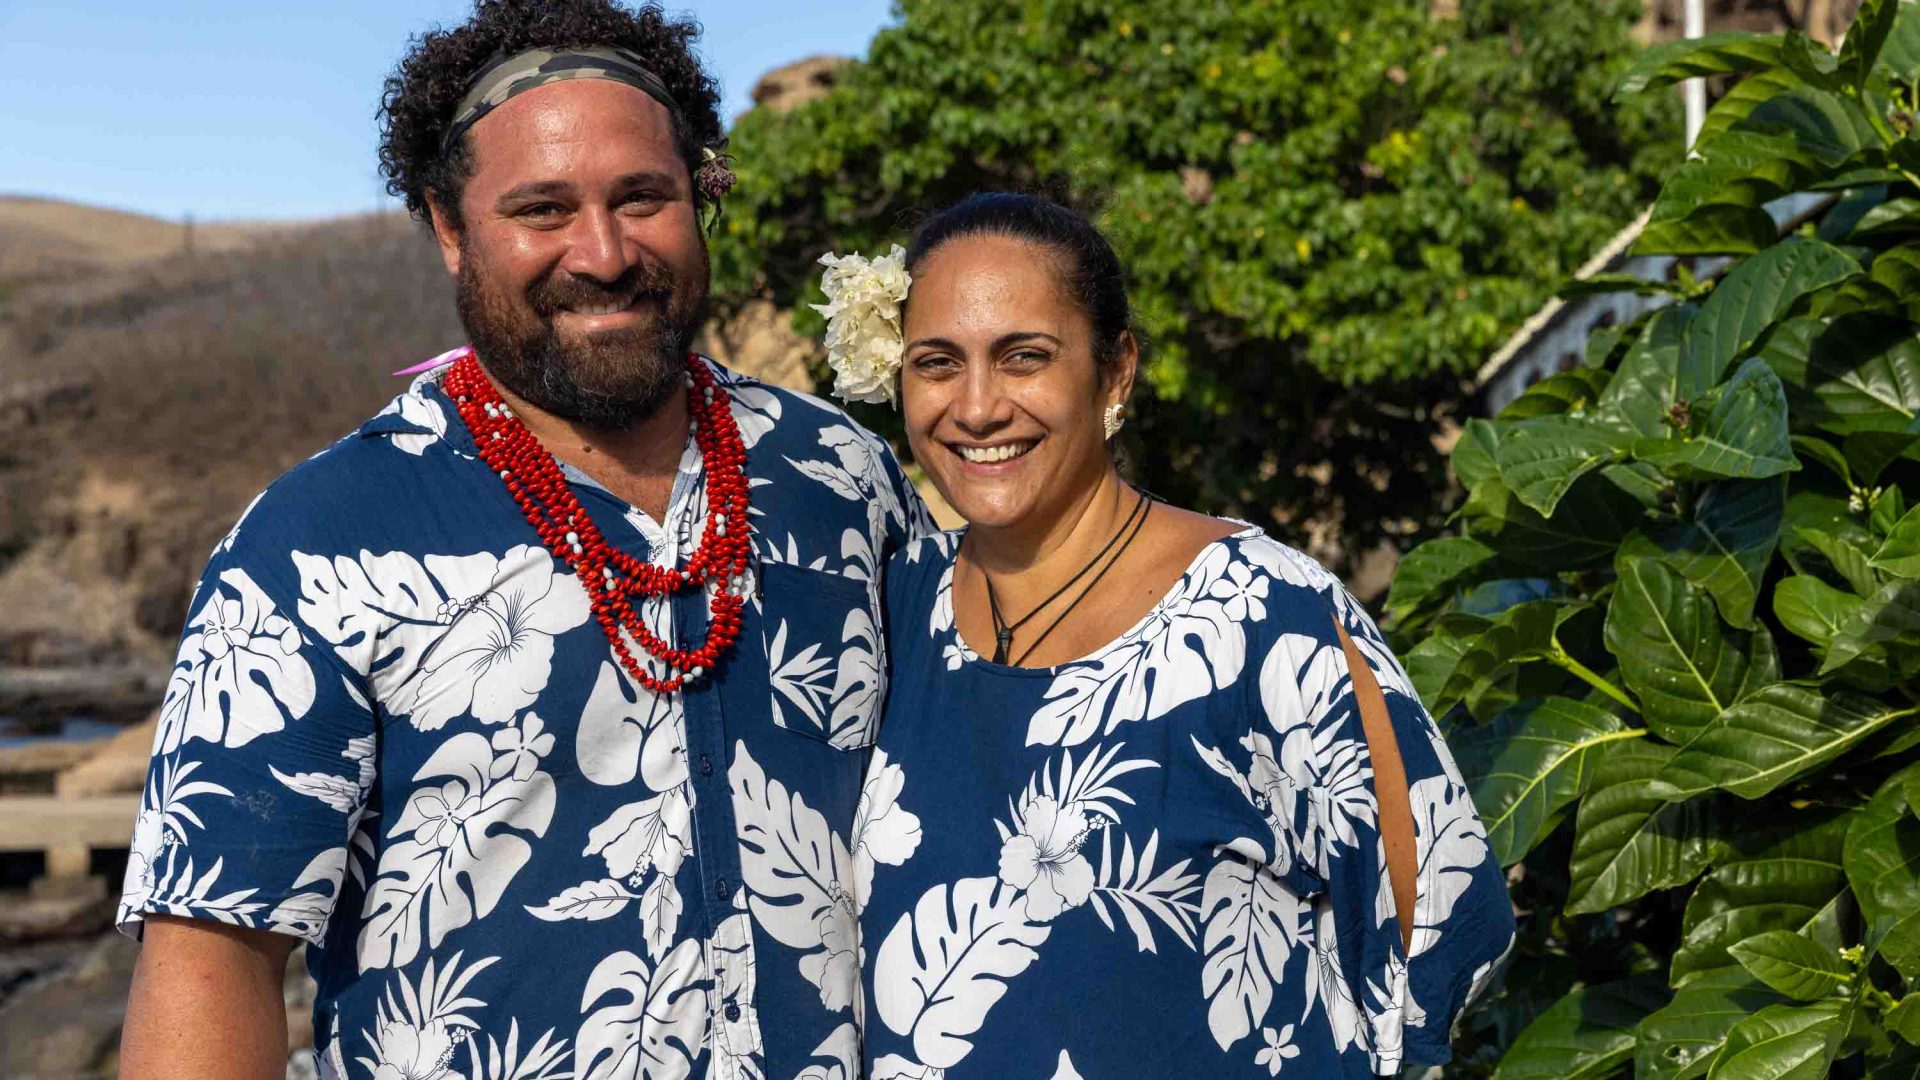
pixel 1330 211
pixel 1677 635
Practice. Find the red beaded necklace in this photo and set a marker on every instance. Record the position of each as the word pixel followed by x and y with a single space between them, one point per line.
pixel 719 564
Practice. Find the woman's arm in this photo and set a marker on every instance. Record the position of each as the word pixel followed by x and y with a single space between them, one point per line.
pixel 1389 786
pixel 207 1002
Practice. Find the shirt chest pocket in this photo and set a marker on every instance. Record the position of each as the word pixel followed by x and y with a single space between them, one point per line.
pixel 826 658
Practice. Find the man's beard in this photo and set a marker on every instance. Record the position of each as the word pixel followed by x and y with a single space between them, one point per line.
pixel 609 379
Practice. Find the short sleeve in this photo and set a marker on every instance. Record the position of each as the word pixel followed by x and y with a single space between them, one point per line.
pixel 261 765
pixel 1404 1001
pixel 913 520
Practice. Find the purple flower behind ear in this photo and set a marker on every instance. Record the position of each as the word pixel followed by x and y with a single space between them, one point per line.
pixel 714 179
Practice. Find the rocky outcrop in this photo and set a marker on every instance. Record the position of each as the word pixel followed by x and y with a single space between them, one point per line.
pixel 798 83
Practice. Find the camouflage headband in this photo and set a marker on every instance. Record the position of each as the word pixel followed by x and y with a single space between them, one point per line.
pixel 521 72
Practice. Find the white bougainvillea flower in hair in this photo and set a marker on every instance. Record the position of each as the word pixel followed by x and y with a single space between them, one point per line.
pixel 864 346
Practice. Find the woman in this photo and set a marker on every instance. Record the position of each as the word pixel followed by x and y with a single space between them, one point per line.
pixel 1151 797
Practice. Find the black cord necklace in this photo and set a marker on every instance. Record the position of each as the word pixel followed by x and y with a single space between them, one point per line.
pixel 1003 631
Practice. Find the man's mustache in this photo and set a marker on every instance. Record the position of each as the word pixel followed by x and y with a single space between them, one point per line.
pixel 563 291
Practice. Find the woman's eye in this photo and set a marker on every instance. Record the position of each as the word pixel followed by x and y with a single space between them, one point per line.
pixel 1027 357
pixel 934 363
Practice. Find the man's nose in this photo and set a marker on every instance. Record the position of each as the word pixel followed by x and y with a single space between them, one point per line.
pixel 596 248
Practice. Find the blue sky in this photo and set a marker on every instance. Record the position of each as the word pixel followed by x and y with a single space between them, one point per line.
pixel 231 109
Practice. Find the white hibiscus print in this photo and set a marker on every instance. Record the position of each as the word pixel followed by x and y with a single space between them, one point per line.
pixel 1278 1049
pixel 883 831
pixel 520 749
pixel 403 1052
pixel 1044 857
pixel 447 636
pixel 836 969
pixel 443 813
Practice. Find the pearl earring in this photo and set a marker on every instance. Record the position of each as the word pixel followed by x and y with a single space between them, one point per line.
pixel 1114 418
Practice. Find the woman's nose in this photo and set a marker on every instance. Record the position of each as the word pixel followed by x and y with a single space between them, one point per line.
pixel 982 405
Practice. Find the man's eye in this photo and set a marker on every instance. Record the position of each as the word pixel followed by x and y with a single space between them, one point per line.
pixel 642 200
pixel 542 210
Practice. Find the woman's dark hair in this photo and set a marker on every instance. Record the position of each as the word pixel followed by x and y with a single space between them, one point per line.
pixel 418 102
pixel 1092 271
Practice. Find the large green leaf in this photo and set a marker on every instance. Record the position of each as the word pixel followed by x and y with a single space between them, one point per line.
pixel 1649 380
pixel 1563 392
pixel 1860 50
pixel 1432 662
pixel 1522 633
pixel 1585 529
pixel 1883 866
pixel 1781 1042
pixel 1772 736
pixel 1790 879
pixel 1473 458
pixel 1722 53
pixel 1745 435
pixel 1904 1018
pixel 1680 662
pixel 1754 295
pixel 1726 547
pixel 1531 761
pixel 1429 572
pixel 1585 1035
pixel 1895 217
pixel 1540 459
pixel 1629 839
pixel 1891 614
pixel 1830 126
pixel 1741 99
pixel 1900 56
pixel 1900 553
pixel 1679 1041
pixel 1813 609
pixel 1865 371
pixel 1715 202
pixel 1898 269
pixel 1791 964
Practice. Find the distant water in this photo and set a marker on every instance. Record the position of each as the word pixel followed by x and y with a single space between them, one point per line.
pixel 14 732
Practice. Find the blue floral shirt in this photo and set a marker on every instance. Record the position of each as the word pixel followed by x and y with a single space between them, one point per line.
pixel 1161 860
pixel 396 731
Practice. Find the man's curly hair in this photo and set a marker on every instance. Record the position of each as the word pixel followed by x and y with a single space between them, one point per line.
pixel 417 104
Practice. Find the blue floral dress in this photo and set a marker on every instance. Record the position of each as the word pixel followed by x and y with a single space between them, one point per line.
pixel 1163 859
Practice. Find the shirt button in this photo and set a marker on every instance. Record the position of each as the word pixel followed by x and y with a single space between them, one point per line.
pixel 706 765
pixel 733 1012
pixel 720 888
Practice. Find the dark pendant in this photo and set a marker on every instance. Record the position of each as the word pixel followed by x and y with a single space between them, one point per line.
pixel 1002 641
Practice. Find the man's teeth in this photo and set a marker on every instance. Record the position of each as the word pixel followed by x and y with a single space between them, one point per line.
pixel 611 308
pixel 987 455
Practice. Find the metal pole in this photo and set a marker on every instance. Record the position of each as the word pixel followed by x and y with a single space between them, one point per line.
pixel 1695 25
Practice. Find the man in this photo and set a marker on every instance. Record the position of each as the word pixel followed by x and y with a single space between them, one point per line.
pixel 538 707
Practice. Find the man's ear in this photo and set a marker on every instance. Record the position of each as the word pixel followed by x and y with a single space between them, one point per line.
pixel 445 232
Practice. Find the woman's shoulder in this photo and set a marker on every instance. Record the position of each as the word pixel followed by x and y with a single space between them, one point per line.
pixel 918 566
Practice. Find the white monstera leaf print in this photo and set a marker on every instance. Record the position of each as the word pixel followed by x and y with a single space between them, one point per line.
pixel 240 674
pixel 645 1023
pixel 1452 843
pixel 455 846
pixel 835 692
pixel 447 636
pixel 895 1067
pixel 799 878
pixel 1064 1070
pixel 627 732
pixel 945 964
pixel 883 830
pixel 1187 647
pixel 1307 696
pixel 420 410
pixel 1252 923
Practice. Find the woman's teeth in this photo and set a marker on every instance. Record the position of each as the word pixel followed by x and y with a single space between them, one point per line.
pixel 987 455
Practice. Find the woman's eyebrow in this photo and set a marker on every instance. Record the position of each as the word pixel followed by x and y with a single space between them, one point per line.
pixel 1002 342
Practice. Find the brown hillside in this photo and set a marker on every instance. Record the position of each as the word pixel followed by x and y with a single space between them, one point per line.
pixel 40 237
